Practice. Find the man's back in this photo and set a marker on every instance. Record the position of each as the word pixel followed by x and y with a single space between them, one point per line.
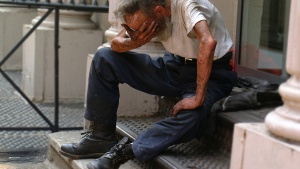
pixel 184 15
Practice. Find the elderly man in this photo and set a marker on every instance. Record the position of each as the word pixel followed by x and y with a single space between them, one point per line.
pixel 196 68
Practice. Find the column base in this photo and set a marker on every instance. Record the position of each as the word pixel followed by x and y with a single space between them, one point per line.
pixel 279 123
pixel 38 63
pixel 255 147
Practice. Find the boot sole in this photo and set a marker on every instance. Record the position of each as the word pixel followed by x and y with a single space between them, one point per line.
pixel 74 157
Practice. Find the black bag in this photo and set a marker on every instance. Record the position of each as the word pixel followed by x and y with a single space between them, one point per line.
pixel 249 93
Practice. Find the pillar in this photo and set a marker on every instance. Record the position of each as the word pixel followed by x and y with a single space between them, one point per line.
pixel 284 121
pixel 275 143
pixel 78 36
pixel 11 24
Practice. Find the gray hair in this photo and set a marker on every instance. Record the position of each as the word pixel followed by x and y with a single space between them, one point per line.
pixel 131 6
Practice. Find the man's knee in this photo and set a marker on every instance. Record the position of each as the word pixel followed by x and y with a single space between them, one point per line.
pixel 104 64
pixel 104 59
pixel 102 54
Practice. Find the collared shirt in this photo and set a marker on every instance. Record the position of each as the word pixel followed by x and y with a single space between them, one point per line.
pixel 184 16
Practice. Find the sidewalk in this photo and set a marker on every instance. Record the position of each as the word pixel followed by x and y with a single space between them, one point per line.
pixel 27 149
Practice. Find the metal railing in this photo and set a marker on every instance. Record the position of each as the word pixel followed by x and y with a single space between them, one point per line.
pixel 52 7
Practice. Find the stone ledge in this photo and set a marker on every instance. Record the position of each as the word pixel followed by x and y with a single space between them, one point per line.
pixel 255 147
pixel 54 159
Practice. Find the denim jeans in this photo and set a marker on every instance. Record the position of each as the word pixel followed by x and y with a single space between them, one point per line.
pixel 163 76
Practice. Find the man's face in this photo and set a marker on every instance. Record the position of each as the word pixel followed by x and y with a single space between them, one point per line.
pixel 136 20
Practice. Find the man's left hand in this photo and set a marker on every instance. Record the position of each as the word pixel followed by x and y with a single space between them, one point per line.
pixel 187 104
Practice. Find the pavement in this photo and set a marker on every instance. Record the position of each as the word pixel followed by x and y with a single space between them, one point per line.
pixel 27 149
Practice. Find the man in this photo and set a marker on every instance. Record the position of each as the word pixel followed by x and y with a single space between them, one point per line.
pixel 196 68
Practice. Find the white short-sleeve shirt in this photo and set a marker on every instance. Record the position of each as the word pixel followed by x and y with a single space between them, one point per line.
pixel 184 15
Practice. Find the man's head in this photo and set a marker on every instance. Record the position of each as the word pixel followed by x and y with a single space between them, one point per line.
pixel 136 12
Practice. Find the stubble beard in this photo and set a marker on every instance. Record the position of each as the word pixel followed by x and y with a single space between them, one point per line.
pixel 165 27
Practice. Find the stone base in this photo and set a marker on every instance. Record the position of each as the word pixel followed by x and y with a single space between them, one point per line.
pixel 254 147
pixel 38 62
pixel 55 160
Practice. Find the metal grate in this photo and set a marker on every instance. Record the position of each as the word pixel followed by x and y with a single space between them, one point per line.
pixel 31 145
pixel 207 153
pixel 52 7
pixel 15 111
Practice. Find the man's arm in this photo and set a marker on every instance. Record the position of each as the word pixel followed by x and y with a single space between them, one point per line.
pixel 205 56
pixel 123 43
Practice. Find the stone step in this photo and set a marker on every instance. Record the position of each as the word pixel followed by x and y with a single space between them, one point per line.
pixel 203 153
pixel 57 161
pixel 210 152
pixel 174 157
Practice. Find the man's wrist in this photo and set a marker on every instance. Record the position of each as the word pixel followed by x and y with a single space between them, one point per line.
pixel 131 44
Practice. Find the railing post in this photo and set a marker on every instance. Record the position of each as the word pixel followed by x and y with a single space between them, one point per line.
pixel 56 70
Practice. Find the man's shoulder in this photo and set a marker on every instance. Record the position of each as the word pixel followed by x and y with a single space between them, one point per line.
pixel 188 4
pixel 199 2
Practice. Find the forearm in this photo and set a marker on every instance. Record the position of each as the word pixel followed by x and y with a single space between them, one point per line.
pixel 206 50
pixel 203 73
pixel 204 66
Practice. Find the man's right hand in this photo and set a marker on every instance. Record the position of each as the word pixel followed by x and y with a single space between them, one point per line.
pixel 123 43
pixel 143 35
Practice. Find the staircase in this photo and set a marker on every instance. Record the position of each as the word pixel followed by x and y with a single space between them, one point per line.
pixel 210 152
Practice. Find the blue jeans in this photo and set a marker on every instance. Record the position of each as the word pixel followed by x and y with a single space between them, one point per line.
pixel 163 76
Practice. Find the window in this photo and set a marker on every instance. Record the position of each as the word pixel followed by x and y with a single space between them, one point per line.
pixel 262 39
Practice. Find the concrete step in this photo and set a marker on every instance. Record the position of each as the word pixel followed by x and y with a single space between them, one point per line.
pixel 57 161
pixel 174 157
pixel 210 152
pixel 207 152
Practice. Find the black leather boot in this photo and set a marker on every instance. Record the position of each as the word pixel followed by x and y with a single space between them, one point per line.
pixel 96 141
pixel 116 156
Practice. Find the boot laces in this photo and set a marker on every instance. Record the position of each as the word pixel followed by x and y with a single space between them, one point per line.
pixel 89 131
pixel 86 133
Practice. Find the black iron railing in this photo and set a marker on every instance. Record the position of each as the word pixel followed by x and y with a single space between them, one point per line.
pixel 56 7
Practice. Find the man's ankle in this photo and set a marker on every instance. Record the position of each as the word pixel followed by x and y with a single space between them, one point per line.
pixel 102 131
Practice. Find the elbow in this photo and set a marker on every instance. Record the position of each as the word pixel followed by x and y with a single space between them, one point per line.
pixel 208 44
pixel 211 43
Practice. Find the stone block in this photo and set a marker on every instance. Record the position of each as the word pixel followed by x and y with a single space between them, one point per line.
pixel 55 160
pixel 254 147
pixel 38 62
